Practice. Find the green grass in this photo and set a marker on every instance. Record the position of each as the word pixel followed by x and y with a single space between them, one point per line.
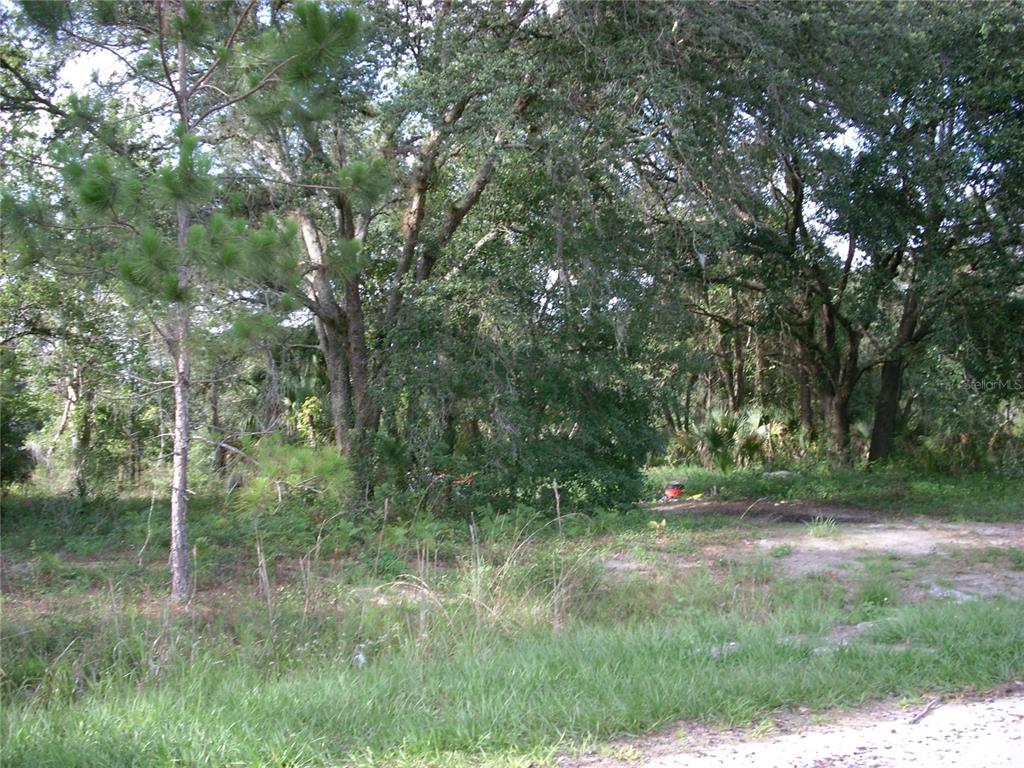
pixel 517 646
pixel 872 599
pixel 493 698
pixel 781 550
pixel 516 655
pixel 985 497
pixel 822 527
pixel 1011 558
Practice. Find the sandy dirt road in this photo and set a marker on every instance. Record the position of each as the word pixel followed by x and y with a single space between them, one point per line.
pixel 975 733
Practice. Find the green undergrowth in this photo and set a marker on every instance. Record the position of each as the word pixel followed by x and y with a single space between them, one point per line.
pixel 507 639
pixel 49 530
pixel 897 490
pixel 222 533
pixel 522 648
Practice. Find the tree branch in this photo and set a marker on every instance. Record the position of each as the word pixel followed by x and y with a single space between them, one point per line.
pixel 258 87
pixel 227 47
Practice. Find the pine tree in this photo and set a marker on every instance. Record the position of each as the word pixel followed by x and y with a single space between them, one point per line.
pixel 196 60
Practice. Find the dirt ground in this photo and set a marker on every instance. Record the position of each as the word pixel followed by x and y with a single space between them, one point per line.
pixel 922 558
pixel 982 731
pixel 926 558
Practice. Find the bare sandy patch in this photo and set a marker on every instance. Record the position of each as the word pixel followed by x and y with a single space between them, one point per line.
pixel 984 731
pixel 928 558
pixel 936 558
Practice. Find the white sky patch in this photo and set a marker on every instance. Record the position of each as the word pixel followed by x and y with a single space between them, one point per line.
pixel 79 73
pixel 551 7
pixel 299 318
pixel 850 139
pixel 86 71
pixel 552 279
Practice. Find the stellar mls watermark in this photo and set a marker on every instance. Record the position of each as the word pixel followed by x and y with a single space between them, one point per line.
pixel 1009 385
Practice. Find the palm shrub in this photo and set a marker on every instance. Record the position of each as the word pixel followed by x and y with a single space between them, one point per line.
pixel 726 439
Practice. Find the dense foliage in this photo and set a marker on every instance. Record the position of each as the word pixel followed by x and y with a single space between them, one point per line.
pixel 460 257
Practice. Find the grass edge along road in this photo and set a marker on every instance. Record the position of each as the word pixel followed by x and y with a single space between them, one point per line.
pixel 495 698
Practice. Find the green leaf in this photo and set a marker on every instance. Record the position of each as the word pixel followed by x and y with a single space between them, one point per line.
pixel 47 15
pixel 319 42
pixel 97 184
pixel 104 12
pixel 365 181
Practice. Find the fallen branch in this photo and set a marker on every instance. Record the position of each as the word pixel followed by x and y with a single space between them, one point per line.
pixel 924 712
pixel 758 501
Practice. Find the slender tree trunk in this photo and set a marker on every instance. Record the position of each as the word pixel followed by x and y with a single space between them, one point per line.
pixel 366 415
pixel 366 412
pixel 177 326
pixel 739 376
pixel 332 333
pixel 803 375
pixel 333 346
pixel 359 361
pixel 131 435
pixel 83 437
pixel 179 473
pixel 760 365
pixel 76 412
pixel 411 414
pixel 687 408
pixel 837 375
pixel 709 393
pixel 219 454
pixel 739 394
pixel 178 341
pixel 272 402
pixel 887 405
pixel 670 421
pixel 725 369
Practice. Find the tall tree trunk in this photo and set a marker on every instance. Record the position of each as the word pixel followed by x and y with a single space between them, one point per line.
pixel 359 360
pixel 739 376
pixel 739 393
pixel 837 375
pixel 179 332
pixel 670 420
pixel 887 405
pixel 837 418
pixel 178 340
pixel 332 333
pixel 334 347
pixel 83 437
pixel 366 415
pixel 760 365
pixel 366 412
pixel 687 415
pixel 725 361
pixel 131 435
pixel 887 410
pixel 272 397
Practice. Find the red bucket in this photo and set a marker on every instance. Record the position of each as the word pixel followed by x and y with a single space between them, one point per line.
pixel 674 490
